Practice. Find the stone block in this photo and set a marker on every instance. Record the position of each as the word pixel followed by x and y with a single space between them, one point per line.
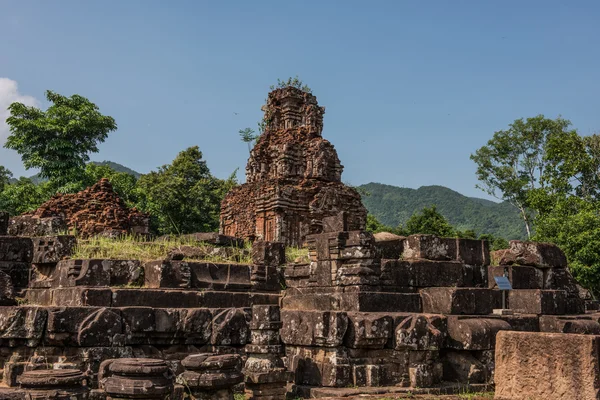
pixel 18 272
pixel 336 223
pixel 71 273
pixel 440 273
pixel 27 225
pixel 535 254
pixel 464 368
pixel 421 332
pixel 220 276
pixel 270 254
pixel 460 300
pixel 565 324
pixel 39 297
pixel 547 366
pixel 22 325
pixel 4 223
pixel 561 279
pixel 574 305
pixel 520 277
pixel 388 245
pixel 230 327
pixel 167 274
pixel 424 370
pixel 473 252
pixel 266 317
pixel 533 301
pixel 368 330
pixel 84 326
pixel 355 301
pixel 175 298
pixel 16 249
pixel 313 328
pixel 430 247
pixel 465 333
pixel 7 290
pixel 52 249
pixel 81 297
pixel 12 394
pixel 397 273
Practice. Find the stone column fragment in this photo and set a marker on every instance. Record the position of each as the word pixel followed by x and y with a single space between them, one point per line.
pixel 210 376
pixel 136 378
pixel 54 384
pixel 266 376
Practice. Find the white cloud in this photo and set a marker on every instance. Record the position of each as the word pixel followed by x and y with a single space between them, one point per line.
pixel 9 93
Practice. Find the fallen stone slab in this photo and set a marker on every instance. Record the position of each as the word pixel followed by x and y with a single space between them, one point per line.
pixel 549 366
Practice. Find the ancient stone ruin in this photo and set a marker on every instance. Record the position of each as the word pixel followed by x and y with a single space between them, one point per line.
pixel 423 319
pixel 364 315
pixel 293 177
pixel 97 210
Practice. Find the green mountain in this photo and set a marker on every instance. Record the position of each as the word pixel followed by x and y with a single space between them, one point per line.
pixel 393 205
pixel 119 168
pixel 36 179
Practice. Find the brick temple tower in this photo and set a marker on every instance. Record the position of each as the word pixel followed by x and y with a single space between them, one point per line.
pixel 293 177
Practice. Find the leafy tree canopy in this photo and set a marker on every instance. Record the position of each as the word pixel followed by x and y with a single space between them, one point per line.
pixel 512 163
pixel 183 197
pixel 5 176
pixel 58 141
pixel 429 221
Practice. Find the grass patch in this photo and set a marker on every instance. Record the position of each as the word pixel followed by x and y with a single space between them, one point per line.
pixel 130 247
pixel 294 253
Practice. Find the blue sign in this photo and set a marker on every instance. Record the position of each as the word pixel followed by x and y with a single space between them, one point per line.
pixel 503 283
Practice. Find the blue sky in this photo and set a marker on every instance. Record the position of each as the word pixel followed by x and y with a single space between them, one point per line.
pixel 411 88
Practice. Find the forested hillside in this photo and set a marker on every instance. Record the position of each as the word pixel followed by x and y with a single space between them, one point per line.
pixel 393 205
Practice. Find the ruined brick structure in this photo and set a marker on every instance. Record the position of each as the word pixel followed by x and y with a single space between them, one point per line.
pixel 93 211
pixel 424 318
pixel 293 177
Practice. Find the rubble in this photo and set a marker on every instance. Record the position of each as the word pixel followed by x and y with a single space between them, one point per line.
pixel 97 210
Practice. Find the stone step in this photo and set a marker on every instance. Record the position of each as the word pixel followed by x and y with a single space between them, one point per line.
pixel 355 301
pixel 143 297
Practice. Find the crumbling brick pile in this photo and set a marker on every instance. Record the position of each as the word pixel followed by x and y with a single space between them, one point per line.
pixel 293 177
pixel 97 210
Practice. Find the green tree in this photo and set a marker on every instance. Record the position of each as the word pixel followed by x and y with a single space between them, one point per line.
pixel 568 203
pixel 466 234
pixel 58 141
pixel 511 165
pixel 5 176
pixel 496 243
pixel 429 221
pixel 183 197
pixel 24 196
pixel 248 136
pixel 374 226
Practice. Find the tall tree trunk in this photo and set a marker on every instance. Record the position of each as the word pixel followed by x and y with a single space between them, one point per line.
pixel 526 220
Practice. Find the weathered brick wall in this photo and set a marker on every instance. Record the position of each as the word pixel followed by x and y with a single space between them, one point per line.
pixel 293 177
